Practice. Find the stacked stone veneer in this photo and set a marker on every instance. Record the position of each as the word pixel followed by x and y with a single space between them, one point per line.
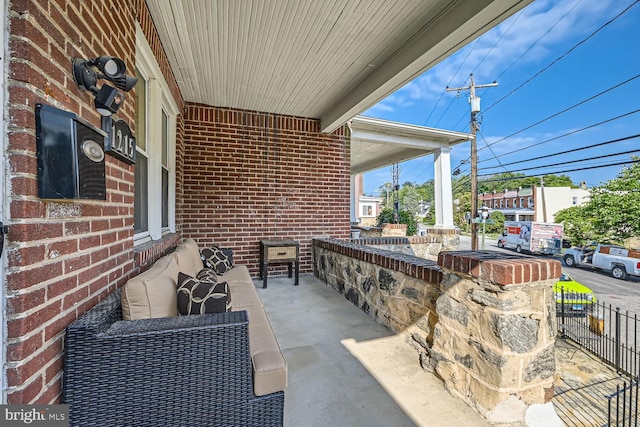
pixel 484 322
pixel 428 246
pixel 422 247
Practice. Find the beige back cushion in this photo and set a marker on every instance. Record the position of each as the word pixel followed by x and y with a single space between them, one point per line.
pixel 153 293
pixel 187 255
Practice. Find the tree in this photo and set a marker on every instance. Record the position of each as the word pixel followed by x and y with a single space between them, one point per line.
pixel 614 206
pixel 386 217
pixel 460 210
pixel 512 181
pixel 498 222
pixel 409 198
pixel 386 192
pixel 577 224
pixel 611 213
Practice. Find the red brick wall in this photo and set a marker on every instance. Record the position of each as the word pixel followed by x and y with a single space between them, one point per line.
pixel 63 256
pixel 250 176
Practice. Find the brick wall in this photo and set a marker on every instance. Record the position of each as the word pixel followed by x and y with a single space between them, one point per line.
pixel 62 256
pixel 250 176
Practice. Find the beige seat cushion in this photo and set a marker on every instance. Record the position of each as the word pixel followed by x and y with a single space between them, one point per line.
pixel 153 293
pixel 243 291
pixel 238 274
pixel 269 365
pixel 244 295
pixel 187 255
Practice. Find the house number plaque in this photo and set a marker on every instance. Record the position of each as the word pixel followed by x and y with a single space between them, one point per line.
pixel 120 143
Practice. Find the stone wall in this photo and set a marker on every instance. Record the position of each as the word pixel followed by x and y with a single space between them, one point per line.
pixel 484 322
pixel 420 246
pixel 426 246
pixel 494 341
pixel 397 290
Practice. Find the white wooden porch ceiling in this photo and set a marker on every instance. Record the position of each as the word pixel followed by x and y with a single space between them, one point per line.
pixel 325 59
pixel 376 143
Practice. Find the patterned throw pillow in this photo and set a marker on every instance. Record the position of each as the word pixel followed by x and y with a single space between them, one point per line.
pixel 202 297
pixel 217 259
pixel 207 275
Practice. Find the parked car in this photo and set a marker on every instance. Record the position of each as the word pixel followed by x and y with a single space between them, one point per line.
pixel 578 298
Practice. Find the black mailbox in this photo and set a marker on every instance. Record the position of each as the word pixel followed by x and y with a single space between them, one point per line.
pixel 70 154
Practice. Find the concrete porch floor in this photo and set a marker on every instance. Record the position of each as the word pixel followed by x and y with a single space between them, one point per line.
pixel 347 370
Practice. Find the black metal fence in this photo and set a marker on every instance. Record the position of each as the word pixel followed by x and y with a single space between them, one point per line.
pixel 601 329
pixel 622 409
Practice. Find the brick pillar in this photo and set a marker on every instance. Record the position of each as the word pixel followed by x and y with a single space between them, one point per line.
pixel 494 341
pixel 394 230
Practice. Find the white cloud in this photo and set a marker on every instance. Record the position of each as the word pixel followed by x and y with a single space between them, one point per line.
pixel 501 47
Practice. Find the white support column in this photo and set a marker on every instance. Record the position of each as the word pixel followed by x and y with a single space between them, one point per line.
pixel 443 189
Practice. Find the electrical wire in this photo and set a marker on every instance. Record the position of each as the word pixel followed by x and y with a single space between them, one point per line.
pixel 527 51
pixel 567 134
pixel 567 151
pixel 498 41
pixel 584 101
pixel 568 162
pixel 564 171
pixel 450 80
pixel 563 55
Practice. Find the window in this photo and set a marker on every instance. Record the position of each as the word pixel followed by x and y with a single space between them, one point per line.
pixel 574 200
pixel 156 113
pixel 530 202
pixel 164 165
pixel 521 202
pixel 367 210
pixel 140 204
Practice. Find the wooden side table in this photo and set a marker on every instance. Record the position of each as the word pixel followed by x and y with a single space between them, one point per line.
pixel 279 251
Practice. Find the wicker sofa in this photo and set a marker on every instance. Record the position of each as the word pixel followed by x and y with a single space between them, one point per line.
pixel 168 370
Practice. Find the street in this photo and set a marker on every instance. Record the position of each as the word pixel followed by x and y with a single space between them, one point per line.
pixel 617 293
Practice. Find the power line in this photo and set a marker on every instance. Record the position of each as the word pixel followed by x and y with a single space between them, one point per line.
pixel 569 162
pixel 566 109
pixel 529 49
pixel 564 171
pixel 498 41
pixel 568 151
pixel 540 38
pixel 558 137
pixel 450 80
pixel 564 55
pixel 570 133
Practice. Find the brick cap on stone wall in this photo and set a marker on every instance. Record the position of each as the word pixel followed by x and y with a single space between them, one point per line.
pixel 499 267
pixel 410 265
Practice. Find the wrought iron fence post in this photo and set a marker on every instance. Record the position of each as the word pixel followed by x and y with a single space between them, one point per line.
pixel 562 309
pixel 617 340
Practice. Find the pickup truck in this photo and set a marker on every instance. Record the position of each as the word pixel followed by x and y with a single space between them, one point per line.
pixel 621 262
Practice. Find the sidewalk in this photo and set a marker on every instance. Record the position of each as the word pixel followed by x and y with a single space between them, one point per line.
pixel 581 384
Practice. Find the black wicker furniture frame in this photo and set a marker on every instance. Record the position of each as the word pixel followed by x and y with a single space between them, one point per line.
pixel 178 371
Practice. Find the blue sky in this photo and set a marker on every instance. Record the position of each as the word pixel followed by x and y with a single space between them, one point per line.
pixel 512 53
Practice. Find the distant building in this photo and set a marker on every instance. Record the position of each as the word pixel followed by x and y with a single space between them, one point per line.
pixel 534 203
pixel 366 208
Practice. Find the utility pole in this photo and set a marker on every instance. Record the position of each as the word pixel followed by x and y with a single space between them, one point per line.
pixel 474 101
pixel 395 177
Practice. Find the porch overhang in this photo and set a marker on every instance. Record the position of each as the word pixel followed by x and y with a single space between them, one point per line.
pixel 376 143
pixel 313 59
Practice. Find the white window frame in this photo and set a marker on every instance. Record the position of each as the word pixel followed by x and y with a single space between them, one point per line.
pixel 159 99
pixel 369 205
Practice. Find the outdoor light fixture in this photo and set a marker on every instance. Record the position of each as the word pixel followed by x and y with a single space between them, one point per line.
pixel 108 100
pixel 87 72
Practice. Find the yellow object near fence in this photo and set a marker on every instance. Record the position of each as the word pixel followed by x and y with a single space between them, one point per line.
pixel 596 325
